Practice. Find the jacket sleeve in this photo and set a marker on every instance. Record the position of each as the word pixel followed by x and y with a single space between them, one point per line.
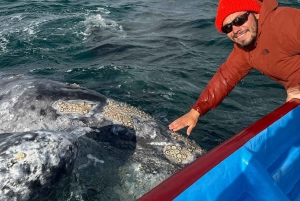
pixel 224 80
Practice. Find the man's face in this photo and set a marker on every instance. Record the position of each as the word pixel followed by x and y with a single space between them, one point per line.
pixel 244 34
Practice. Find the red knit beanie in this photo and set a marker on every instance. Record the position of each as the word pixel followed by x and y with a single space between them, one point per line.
pixel 227 7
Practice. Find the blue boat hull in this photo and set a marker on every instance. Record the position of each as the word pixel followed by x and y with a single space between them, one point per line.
pixel 260 163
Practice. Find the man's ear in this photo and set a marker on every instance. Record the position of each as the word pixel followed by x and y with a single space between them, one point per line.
pixel 256 15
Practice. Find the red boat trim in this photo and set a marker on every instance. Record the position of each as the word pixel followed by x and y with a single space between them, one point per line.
pixel 177 183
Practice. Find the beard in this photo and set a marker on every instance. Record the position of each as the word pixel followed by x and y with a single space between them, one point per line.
pixel 246 43
pixel 253 31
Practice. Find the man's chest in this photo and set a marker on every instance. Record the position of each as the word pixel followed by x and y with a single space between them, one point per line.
pixel 274 59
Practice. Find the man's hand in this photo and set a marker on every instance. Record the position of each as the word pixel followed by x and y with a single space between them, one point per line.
pixel 293 93
pixel 190 119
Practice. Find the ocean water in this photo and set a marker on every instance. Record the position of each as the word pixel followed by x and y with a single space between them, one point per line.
pixel 155 55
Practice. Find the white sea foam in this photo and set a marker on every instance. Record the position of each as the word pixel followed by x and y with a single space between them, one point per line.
pixel 3 44
pixel 95 22
pixel 103 10
pixel 30 30
pixel 17 24
pixel 99 21
pixel 17 17
pixel 168 95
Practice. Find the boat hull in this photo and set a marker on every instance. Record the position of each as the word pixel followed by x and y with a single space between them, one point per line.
pixel 260 163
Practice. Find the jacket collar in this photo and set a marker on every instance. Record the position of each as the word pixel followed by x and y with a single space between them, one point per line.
pixel 267 6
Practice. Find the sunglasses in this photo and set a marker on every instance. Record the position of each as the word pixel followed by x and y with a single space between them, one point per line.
pixel 238 21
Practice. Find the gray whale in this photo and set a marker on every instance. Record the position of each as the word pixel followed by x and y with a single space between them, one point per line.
pixel 32 164
pixel 122 151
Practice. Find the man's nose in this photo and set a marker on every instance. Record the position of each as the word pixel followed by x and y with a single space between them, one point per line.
pixel 235 29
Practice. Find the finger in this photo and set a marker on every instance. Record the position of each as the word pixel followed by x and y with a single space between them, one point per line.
pixel 174 124
pixel 177 126
pixel 189 130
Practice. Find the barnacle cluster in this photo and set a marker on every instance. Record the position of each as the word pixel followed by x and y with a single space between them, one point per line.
pixel 74 107
pixel 20 156
pixel 176 153
pixel 191 145
pixel 122 113
pixel 180 154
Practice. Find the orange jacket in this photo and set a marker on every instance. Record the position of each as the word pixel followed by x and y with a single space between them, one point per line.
pixel 276 53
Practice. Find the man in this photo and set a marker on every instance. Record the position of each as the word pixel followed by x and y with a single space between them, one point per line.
pixel 266 37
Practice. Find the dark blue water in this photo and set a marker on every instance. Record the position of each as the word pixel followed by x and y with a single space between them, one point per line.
pixel 155 55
